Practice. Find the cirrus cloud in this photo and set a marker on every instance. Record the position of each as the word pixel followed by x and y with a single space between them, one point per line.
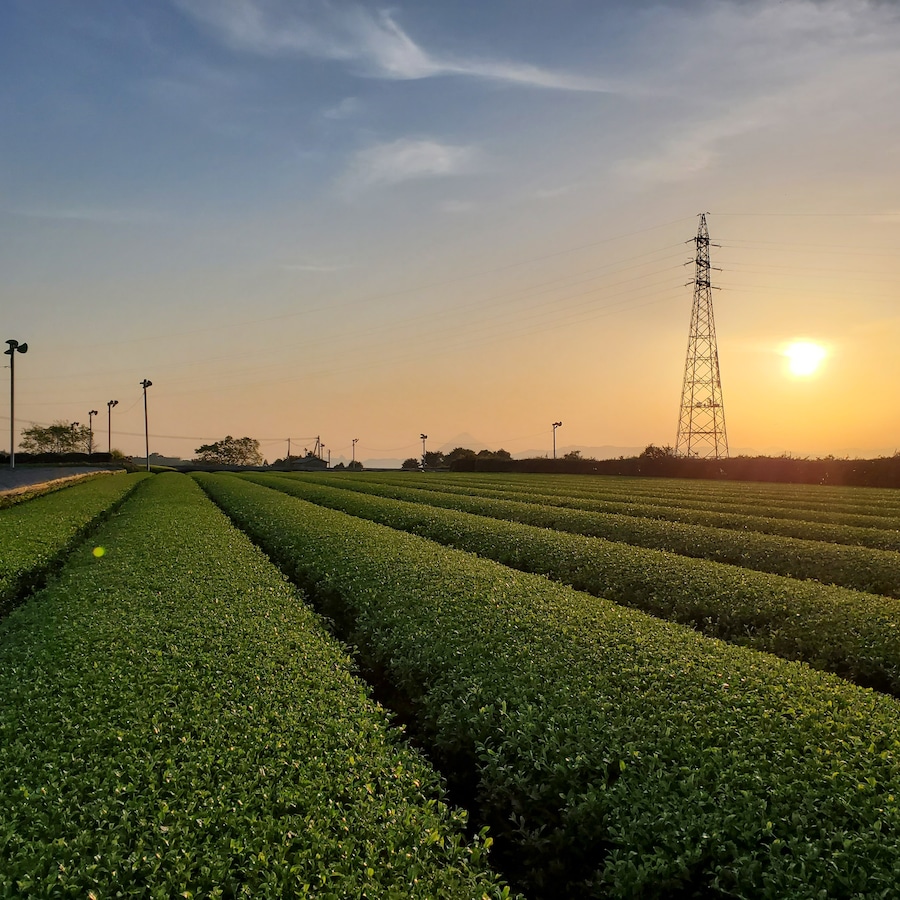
pixel 371 43
pixel 406 159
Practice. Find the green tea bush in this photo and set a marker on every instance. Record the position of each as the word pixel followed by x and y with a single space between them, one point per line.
pixel 770 520
pixel 614 755
pixel 860 568
pixel 840 505
pixel 36 534
pixel 843 631
pixel 175 722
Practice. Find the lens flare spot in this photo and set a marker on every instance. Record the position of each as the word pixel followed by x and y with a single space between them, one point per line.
pixel 99 551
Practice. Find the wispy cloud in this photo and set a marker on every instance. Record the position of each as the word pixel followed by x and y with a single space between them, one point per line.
pixel 374 44
pixel 554 192
pixel 406 159
pixel 92 215
pixel 346 109
pixel 458 207
pixel 312 267
pixel 761 72
pixel 694 148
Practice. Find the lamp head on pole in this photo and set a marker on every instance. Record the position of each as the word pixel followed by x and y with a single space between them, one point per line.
pixel 112 403
pixel 146 383
pixel 15 345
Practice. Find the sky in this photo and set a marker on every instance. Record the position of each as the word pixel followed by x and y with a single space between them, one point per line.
pixel 465 219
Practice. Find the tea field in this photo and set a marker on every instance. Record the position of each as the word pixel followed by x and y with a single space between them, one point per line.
pixel 599 687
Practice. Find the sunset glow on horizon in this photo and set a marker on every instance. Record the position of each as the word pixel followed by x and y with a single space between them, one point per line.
pixel 313 222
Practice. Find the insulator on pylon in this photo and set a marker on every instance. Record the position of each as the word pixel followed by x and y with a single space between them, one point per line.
pixel 701 423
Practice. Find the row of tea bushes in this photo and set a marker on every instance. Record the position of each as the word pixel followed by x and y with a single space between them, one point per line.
pixel 886 536
pixel 12 496
pixel 812 502
pixel 613 754
pixel 36 534
pixel 843 631
pixel 860 568
pixel 865 509
pixel 175 722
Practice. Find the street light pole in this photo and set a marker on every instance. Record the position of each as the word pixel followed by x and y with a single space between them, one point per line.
pixel 14 347
pixel 109 405
pixel 91 415
pixel 145 384
pixel 353 451
pixel 555 426
pixel 424 437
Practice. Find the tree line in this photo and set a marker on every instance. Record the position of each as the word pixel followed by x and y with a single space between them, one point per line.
pixel 60 437
pixel 72 437
pixel 435 459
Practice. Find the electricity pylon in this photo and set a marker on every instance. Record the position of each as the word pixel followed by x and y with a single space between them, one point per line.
pixel 701 425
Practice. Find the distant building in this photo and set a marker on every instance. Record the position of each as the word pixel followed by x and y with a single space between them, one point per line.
pixel 157 459
pixel 308 463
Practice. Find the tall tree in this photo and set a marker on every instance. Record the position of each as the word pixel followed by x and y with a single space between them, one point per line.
pixel 433 459
pixel 60 437
pixel 458 453
pixel 231 451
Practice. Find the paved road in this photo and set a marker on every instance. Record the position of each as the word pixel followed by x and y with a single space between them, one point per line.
pixel 26 476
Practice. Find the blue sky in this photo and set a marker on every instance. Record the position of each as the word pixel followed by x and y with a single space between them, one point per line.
pixel 362 220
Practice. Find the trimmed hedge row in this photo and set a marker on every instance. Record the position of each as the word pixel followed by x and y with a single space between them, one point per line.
pixel 37 533
pixel 616 755
pixel 16 495
pixel 836 629
pixel 860 568
pixel 176 723
pixel 813 501
pixel 886 536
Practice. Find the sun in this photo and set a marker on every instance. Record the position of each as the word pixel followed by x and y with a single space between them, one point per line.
pixel 804 357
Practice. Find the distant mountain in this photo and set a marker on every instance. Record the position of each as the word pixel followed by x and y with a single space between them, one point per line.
pixel 382 463
pixel 464 440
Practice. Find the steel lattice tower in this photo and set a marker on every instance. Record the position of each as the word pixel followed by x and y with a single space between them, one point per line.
pixel 701 425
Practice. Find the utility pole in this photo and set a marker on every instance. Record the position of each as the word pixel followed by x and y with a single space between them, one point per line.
pixel 109 405
pixel 145 384
pixel 555 426
pixel 91 415
pixel 14 347
pixel 701 422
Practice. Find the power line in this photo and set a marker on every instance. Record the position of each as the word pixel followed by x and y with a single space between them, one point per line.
pixel 800 215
